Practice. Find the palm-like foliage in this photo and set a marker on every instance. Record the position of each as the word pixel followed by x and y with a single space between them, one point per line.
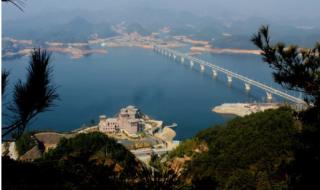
pixel 295 68
pixel 34 96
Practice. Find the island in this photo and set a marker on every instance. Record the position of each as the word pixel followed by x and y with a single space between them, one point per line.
pixel 95 44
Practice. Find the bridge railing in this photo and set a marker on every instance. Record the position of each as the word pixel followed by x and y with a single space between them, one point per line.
pixel 235 75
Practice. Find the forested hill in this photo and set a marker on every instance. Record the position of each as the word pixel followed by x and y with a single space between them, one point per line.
pixel 254 152
pixel 87 161
pixel 259 151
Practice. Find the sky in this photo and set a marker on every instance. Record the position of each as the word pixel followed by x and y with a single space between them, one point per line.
pixel 237 9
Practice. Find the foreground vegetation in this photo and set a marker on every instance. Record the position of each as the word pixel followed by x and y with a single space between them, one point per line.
pixel 24 143
pixel 254 152
pixel 276 149
pixel 87 161
pixel 259 151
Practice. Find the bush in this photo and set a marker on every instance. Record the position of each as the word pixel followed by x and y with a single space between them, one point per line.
pixel 24 143
pixel 185 148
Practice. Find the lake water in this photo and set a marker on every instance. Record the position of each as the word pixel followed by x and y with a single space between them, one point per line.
pixel 161 88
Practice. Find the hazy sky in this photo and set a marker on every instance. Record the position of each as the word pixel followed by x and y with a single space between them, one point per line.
pixel 271 9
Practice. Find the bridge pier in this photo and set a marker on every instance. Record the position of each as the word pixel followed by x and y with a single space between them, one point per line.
pixel 182 59
pixel 214 73
pixel 177 56
pixel 247 86
pixel 229 78
pixel 269 96
pixel 202 68
pixel 191 64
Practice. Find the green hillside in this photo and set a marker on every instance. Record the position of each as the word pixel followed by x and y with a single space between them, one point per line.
pixel 253 152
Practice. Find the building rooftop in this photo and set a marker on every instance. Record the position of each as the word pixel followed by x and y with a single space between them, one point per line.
pixel 103 117
pixel 129 110
pixel 112 120
pixel 134 120
pixel 131 107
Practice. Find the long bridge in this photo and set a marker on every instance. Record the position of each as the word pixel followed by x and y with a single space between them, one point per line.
pixel 300 103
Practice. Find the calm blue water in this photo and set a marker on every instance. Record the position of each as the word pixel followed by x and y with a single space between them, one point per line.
pixel 164 89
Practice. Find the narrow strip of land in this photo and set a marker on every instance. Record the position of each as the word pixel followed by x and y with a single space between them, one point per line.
pixel 243 109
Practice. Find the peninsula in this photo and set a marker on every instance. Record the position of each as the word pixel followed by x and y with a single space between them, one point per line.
pixel 136 131
pixel 14 48
pixel 243 109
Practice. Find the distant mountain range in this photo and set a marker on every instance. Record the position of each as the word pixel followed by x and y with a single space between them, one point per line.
pixel 76 30
pixel 221 33
pixel 136 27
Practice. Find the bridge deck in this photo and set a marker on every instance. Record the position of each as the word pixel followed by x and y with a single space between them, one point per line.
pixel 234 75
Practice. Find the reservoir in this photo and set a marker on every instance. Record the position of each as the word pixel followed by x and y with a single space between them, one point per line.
pixel 162 88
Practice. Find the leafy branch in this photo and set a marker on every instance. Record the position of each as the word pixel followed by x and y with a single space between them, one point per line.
pixel 34 96
pixel 294 68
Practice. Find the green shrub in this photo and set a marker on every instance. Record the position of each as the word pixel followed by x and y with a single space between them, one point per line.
pixel 24 143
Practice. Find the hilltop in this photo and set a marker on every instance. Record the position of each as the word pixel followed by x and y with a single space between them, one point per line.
pixel 86 161
pixel 253 152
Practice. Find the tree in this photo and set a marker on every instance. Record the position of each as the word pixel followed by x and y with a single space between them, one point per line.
pixel 298 69
pixel 294 68
pixel 32 97
pixel 158 179
pixel 251 152
pixel 81 162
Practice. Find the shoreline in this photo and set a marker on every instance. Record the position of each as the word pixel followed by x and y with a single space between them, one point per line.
pixel 77 50
pixel 225 50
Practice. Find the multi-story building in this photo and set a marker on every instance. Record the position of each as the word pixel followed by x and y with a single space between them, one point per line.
pixel 108 125
pixel 129 120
